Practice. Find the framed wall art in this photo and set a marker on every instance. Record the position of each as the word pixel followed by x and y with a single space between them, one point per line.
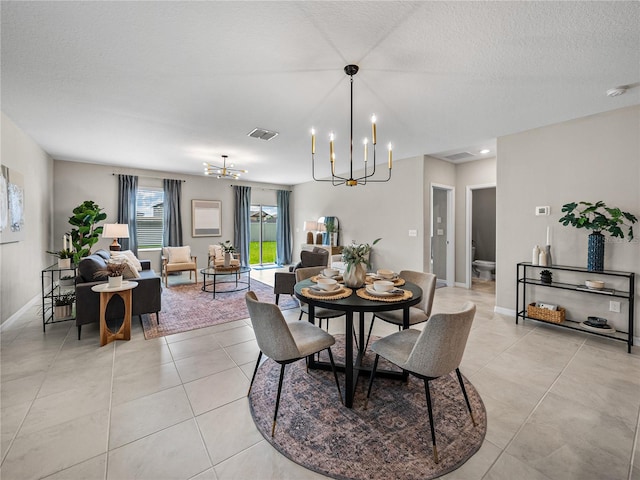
pixel 206 218
pixel 11 205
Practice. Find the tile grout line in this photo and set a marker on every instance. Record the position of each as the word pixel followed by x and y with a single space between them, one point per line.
pixel 634 446
pixel 113 369
pixel 533 410
pixel 46 373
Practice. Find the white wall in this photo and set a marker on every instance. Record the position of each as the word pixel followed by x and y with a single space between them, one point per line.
pixel 21 262
pixel 96 182
pixel 588 159
pixel 387 210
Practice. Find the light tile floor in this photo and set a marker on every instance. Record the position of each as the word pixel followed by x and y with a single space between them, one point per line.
pixel 561 405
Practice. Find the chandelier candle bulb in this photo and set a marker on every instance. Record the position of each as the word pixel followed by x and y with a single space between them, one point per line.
pixel 313 141
pixel 390 157
pixel 331 154
pixel 373 129
pixel 366 148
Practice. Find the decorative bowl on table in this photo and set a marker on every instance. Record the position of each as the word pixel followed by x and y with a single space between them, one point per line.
pixel 595 284
pixel 330 272
pixel 327 284
pixel 385 274
pixel 383 286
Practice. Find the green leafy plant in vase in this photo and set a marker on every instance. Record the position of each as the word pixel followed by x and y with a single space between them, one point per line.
pixel 64 257
pixel 598 218
pixel 356 258
pixel 85 218
pixel 229 250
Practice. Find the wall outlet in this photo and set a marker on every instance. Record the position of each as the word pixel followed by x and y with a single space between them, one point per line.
pixel 413 233
pixel 614 306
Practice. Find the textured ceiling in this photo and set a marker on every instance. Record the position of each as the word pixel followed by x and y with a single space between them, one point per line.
pixel 168 85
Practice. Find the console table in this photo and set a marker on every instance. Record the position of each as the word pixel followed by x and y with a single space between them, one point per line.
pixel 52 290
pixel 524 278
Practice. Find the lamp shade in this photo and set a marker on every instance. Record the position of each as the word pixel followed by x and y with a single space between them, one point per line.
pixel 115 230
pixel 322 227
pixel 310 226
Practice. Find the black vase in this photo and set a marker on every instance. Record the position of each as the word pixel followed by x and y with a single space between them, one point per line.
pixel 595 254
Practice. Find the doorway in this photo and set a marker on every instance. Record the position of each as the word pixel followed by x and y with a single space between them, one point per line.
pixel 262 246
pixel 481 237
pixel 442 255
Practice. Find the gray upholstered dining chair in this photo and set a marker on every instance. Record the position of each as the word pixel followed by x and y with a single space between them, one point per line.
pixel 418 313
pixel 285 342
pixel 430 354
pixel 319 313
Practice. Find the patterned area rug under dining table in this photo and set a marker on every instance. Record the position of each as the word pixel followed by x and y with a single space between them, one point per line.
pixel 391 439
pixel 186 307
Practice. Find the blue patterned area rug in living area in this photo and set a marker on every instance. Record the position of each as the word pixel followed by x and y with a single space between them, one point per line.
pixel 186 307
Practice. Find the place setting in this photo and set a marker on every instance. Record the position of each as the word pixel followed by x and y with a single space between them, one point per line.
pixel 330 273
pixel 326 288
pixel 383 286
pixel 384 274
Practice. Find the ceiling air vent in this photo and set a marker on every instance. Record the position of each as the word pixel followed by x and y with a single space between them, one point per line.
pixel 459 156
pixel 262 134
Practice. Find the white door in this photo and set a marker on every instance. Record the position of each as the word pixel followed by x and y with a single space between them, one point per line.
pixel 442 234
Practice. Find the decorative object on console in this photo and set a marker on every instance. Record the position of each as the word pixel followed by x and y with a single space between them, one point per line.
pixel 597 217
pixel 547 248
pixel 85 217
pixel 546 276
pixel 310 226
pixel 598 324
pixel 115 231
pixel 535 255
pixel 350 70
pixel 64 258
pixel 63 305
pixel 223 171
pixel 356 257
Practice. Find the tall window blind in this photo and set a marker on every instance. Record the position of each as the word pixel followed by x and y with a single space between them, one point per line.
pixel 150 214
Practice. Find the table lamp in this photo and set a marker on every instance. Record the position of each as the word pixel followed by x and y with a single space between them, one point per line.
pixel 115 231
pixel 310 226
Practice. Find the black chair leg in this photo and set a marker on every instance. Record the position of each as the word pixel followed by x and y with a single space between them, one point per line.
pixel 277 298
pixel 335 374
pixel 275 415
pixel 158 317
pixel 255 370
pixel 373 374
pixel 300 317
pixel 433 430
pixel 373 319
pixel 466 398
pixel 79 330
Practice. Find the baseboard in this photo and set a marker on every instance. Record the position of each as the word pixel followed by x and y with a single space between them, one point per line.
pixel 460 284
pixel 504 311
pixel 7 323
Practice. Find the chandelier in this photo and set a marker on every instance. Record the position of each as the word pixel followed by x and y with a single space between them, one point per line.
pixel 351 70
pixel 223 171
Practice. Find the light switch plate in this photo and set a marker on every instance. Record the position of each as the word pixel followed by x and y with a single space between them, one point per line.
pixel 413 233
pixel 543 210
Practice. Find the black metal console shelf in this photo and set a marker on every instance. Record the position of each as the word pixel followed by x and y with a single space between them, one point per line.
pixel 52 291
pixel 523 276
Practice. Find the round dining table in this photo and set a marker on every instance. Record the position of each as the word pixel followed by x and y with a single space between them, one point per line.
pixel 350 305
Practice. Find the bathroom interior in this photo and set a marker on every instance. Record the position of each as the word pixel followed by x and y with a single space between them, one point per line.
pixel 483 238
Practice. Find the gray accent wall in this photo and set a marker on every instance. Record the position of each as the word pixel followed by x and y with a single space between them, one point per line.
pixel 21 262
pixel 97 183
pixel 588 159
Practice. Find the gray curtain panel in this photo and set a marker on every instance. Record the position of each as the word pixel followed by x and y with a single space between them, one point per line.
pixel 283 229
pixel 172 234
pixel 241 225
pixel 127 193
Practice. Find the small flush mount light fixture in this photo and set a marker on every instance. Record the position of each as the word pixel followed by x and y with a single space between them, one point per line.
pixel 484 151
pixel 351 70
pixel 223 171
pixel 615 92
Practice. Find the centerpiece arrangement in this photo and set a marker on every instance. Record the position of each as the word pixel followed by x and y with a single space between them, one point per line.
pixel 597 217
pixel 356 258
pixel 113 272
pixel 229 250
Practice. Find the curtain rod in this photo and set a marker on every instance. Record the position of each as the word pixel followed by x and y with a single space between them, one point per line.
pixel 261 188
pixel 149 176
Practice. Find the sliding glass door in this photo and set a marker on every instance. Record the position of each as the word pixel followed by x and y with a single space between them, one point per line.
pixel 262 249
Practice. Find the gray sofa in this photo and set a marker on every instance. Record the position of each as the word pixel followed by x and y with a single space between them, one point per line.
pixel 145 298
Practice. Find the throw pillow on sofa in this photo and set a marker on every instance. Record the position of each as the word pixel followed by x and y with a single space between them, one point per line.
pixel 129 257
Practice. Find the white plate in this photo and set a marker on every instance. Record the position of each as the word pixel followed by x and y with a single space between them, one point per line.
pixel 375 276
pixel 393 293
pixel 319 291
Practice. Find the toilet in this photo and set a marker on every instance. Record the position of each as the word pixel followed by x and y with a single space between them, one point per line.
pixel 485 268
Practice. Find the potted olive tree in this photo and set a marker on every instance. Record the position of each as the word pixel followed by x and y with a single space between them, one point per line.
pixel 598 218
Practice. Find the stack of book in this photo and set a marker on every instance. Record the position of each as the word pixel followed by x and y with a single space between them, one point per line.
pixel 598 324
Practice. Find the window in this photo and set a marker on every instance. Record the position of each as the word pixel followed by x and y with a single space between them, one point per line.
pixel 150 217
